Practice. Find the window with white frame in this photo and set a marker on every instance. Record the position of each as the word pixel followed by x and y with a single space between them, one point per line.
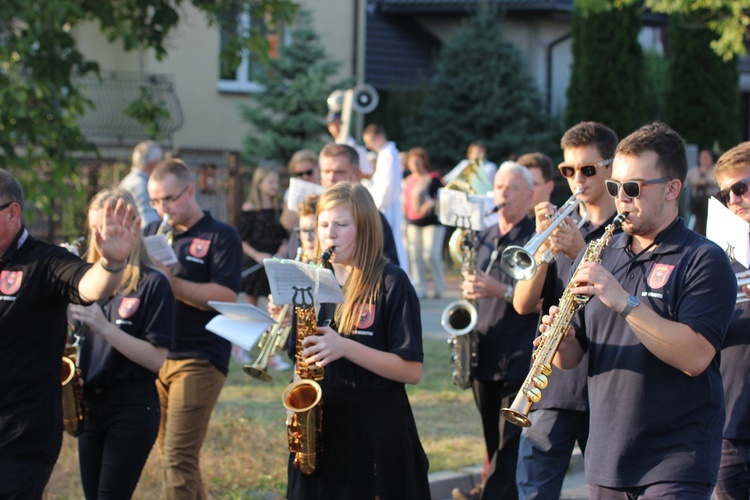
pixel 243 77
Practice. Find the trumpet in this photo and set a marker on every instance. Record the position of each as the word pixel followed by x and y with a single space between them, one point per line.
pixel 743 279
pixel 522 262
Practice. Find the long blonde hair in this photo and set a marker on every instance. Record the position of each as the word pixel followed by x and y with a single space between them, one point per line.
pixel 253 193
pixel 362 286
pixel 138 256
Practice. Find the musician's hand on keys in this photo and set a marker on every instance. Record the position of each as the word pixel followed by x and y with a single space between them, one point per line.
pixel 274 311
pixel 325 347
pixel 544 325
pixel 91 315
pixel 593 279
pixel 543 211
pixel 482 285
pixel 567 238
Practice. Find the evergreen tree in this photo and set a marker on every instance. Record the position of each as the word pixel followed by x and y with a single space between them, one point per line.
pixel 289 114
pixel 480 91
pixel 606 78
pixel 703 96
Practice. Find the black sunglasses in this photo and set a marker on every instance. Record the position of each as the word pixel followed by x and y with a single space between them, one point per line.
pixel 588 170
pixel 632 189
pixel 738 188
pixel 304 173
pixel 6 205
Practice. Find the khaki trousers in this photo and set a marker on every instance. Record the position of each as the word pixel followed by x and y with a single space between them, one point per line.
pixel 188 390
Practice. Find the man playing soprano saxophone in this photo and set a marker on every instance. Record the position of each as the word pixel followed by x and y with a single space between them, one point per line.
pixel 661 303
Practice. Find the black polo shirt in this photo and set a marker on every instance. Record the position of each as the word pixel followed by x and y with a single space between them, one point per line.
pixel 505 337
pixel 735 371
pixel 147 314
pixel 208 252
pixel 392 325
pixel 37 281
pixel 567 389
pixel 650 422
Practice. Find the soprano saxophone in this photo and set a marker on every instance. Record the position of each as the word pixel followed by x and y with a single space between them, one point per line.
pixel 541 360
pixel 305 423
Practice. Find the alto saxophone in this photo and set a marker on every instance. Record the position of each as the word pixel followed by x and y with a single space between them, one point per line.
pixel 459 318
pixel 541 360
pixel 74 412
pixel 305 423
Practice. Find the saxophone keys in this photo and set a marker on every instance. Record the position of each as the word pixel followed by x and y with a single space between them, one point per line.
pixel 546 369
pixel 534 395
pixel 541 381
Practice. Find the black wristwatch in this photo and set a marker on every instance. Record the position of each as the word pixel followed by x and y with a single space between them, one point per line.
pixel 632 304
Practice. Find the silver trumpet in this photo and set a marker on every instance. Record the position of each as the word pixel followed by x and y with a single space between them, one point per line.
pixel 522 262
pixel 743 279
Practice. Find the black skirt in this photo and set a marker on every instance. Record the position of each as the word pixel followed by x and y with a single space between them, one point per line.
pixel 371 449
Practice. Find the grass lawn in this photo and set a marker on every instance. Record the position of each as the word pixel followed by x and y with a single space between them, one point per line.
pixel 245 452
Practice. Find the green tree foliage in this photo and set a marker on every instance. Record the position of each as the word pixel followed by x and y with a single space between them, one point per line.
pixel 39 60
pixel 702 100
pixel 729 19
pixel 606 80
pixel 480 91
pixel 289 114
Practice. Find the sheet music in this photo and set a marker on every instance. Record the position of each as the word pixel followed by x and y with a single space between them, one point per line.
pixel 459 210
pixel 284 275
pixel 240 323
pixel 729 231
pixel 298 190
pixel 159 249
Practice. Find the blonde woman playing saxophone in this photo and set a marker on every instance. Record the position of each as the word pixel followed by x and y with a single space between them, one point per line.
pixel 372 348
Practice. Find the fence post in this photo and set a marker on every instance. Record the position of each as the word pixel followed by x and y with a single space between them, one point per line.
pixel 234 187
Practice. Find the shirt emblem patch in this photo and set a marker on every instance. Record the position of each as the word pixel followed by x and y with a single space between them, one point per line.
pixel 366 313
pixel 659 275
pixel 128 306
pixel 199 248
pixel 10 282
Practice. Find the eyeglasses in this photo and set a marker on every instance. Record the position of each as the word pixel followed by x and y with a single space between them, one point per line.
pixel 632 189
pixel 168 199
pixel 3 207
pixel 304 173
pixel 310 233
pixel 739 188
pixel 588 170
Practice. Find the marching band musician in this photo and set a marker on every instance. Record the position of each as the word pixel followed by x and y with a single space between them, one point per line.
pixel 561 417
pixel 209 265
pixel 125 345
pixel 732 176
pixel 504 346
pixel 661 304
pixel 373 347
pixel 37 281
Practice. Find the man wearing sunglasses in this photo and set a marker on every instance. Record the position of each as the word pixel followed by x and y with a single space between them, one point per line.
pixel 732 176
pixel 561 418
pixel 661 302
pixel 37 282
pixel 304 166
pixel 209 265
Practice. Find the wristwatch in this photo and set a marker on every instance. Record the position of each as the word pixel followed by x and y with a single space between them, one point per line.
pixel 632 304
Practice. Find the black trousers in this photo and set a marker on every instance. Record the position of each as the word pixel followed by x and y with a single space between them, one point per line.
pixel 20 480
pixel 500 436
pixel 117 438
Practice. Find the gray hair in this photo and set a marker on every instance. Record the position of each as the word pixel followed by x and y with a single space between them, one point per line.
pixel 145 153
pixel 10 189
pixel 514 167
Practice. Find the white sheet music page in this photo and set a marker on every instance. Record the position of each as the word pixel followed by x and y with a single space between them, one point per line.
pixel 159 249
pixel 288 277
pixel 298 190
pixel 729 231
pixel 240 323
pixel 459 210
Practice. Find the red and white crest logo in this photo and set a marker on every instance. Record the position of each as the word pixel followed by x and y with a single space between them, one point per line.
pixel 199 248
pixel 10 282
pixel 366 313
pixel 128 307
pixel 659 275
